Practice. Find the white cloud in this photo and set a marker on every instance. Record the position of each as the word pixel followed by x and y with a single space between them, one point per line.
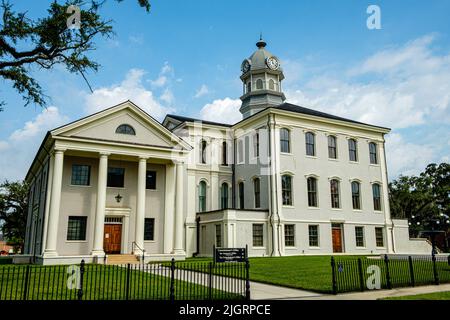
pixel 159 82
pixel 222 110
pixel 406 158
pixel 132 89
pixel 19 149
pixel 202 91
pixel 167 96
pixel 400 87
pixel 165 73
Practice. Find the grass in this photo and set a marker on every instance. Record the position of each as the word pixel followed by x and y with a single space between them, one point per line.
pixel 314 272
pixel 99 283
pixel 445 295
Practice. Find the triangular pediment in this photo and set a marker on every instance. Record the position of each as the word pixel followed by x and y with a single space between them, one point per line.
pixel 103 125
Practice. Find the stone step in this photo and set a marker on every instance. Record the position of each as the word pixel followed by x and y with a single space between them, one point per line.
pixel 121 259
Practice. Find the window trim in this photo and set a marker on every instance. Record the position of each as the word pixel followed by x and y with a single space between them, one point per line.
pixel 107 177
pixel 377 160
pixel 227 188
pixel 288 140
pixel 338 193
pixel 382 237
pixel 359 194
pixel 293 236
pixel 318 236
pixel 89 175
pixel 316 191
pixel 291 176
pixel 356 150
pixel 313 144
pixel 154 229
pixel 241 195
pixel 127 126
pixel 79 218
pixel 262 235
pixel 332 136
pixel 259 192
pixel 200 183
pixel 363 238
pixel 380 191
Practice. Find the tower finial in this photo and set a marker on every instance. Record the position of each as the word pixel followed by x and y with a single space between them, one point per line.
pixel 261 43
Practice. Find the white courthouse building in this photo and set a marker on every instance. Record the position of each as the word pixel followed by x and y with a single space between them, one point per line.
pixel 285 180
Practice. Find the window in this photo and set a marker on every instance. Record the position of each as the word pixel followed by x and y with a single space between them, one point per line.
pixel 312 192
pixel 241 151
pixel 379 237
pixel 373 153
pixel 81 175
pixel 376 197
pixel 258 235
pixel 289 235
pixel 271 84
pixel 224 196
pixel 353 150
pixel 241 195
pixel 203 151
pixel 218 235
pixel 332 147
pixel 249 87
pixel 150 180
pixel 256 186
pixel 76 229
pixel 286 190
pixel 256 144
pixel 313 236
pixel 359 236
pixel 202 196
pixel 224 154
pixel 149 229
pixel 356 198
pixel 125 129
pixel 285 140
pixel 259 84
pixel 310 144
pixel 116 177
pixel 334 190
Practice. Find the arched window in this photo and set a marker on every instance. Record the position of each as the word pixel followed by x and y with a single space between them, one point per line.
pixel 224 196
pixel 356 195
pixel 353 150
pixel 285 140
pixel 240 151
pixel 271 84
pixel 256 144
pixel 332 147
pixel 259 84
pixel 334 190
pixel 310 144
pixel 125 129
pixel 249 87
pixel 241 195
pixel 376 197
pixel 202 196
pixel 203 145
pixel 286 189
pixel 257 192
pixel 224 153
pixel 312 192
pixel 373 153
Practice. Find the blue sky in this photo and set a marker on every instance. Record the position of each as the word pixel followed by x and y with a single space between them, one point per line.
pixel 184 57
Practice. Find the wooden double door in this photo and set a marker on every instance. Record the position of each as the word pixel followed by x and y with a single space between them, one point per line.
pixel 112 238
pixel 336 234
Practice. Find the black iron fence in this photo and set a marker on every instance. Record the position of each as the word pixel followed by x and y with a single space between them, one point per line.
pixel 362 274
pixel 169 281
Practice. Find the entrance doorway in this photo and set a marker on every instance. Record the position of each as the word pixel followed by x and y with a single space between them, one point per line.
pixel 336 233
pixel 112 238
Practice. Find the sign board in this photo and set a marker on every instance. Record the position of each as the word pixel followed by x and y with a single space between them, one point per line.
pixel 230 254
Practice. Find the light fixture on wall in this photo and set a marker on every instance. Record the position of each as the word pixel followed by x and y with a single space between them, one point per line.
pixel 118 197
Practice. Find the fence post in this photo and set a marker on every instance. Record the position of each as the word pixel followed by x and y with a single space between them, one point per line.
pixel 411 271
pixel 333 275
pixel 210 266
pixel 80 288
pixel 127 287
pixel 388 275
pixel 435 273
pixel 361 276
pixel 27 276
pixel 247 279
pixel 172 280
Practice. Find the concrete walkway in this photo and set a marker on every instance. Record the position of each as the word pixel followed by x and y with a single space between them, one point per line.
pixel 261 291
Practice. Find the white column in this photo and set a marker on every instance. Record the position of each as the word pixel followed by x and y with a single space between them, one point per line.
pixel 215 191
pixel 169 208
pixel 55 202
pixel 179 232
pixel 387 210
pixel 101 202
pixel 140 205
pixel 274 196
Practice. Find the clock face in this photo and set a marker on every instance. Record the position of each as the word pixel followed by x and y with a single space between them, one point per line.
pixel 273 63
pixel 245 67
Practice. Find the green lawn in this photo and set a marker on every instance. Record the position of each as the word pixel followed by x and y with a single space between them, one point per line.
pixel 314 272
pixel 299 272
pixel 99 283
pixel 445 295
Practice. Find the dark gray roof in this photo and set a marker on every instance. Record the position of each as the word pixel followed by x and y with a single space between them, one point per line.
pixel 311 112
pixel 187 119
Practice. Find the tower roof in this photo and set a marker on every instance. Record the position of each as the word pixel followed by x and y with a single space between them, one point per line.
pixel 258 58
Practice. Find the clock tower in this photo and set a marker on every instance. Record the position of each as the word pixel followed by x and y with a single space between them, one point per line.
pixel 261 77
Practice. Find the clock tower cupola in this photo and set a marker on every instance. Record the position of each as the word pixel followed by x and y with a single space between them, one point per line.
pixel 261 77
